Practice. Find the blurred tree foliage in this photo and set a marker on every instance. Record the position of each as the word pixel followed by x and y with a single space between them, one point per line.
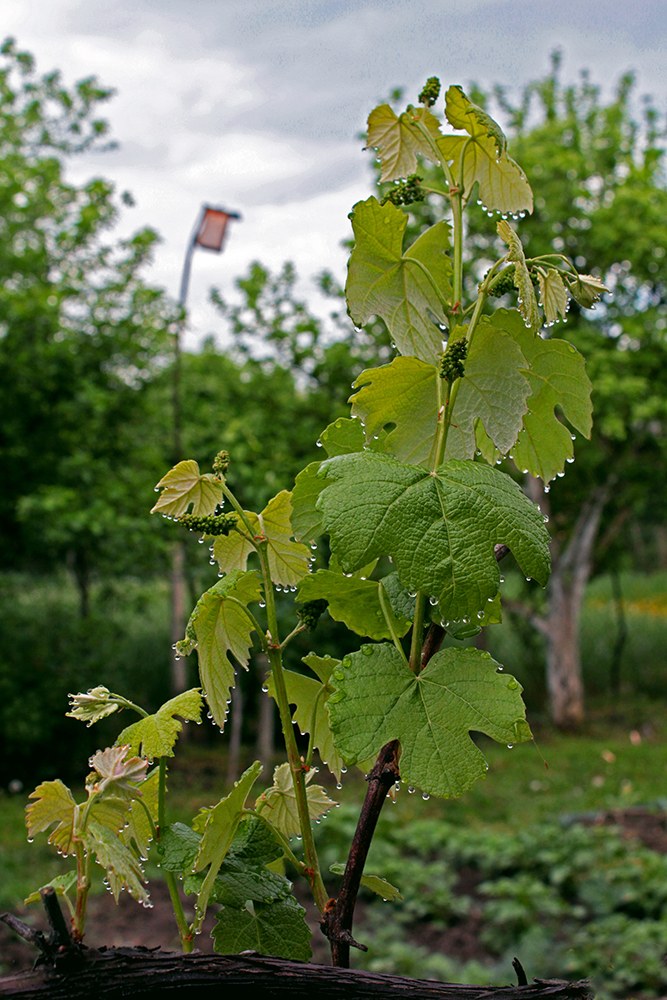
pixel 81 338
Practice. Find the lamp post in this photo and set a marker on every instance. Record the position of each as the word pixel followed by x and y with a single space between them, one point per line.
pixel 209 234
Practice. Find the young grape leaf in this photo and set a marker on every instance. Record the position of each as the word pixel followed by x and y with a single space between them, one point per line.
pixel 378 699
pixel 53 804
pixel 440 528
pixel 352 601
pixel 557 377
pixel 503 186
pixel 182 486
pixel 62 885
pixel 94 705
pixel 123 869
pixel 309 696
pixel 221 824
pixel 277 929
pixel 156 735
pixel 522 280
pixel 115 774
pixel 398 140
pixel 553 294
pixel 372 882
pixel 220 626
pixel 223 819
pixel 306 519
pixel 384 281
pixel 288 560
pixel 279 802
pixel 343 437
pixel 585 289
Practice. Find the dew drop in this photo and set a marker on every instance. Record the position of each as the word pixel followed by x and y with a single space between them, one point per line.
pixel 319 444
pixel 338 785
pixel 313 545
pixel 265 688
pixel 343 770
pixel 560 474
pixel 502 579
pixel 411 789
pixel 433 601
pixel 547 488
pixel 31 840
pixel 480 614
pixel 425 796
pixel 570 460
pixel 262 604
pixel 510 746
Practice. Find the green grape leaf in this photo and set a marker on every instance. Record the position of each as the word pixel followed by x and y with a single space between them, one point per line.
pixel 221 824
pixel 156 735
pixel 522 280
pixel 384 281
pixel 379 699
pixel 461 113
pixel 585 289
pixel 372 882
pixel 398 140
pixel 279 802
pixel 137 832
pixel 493 391
pixel 182 486
pixel 343 437
pixel 254 843
pixel 61 883
pixel 309 696
pixel 220 626
pixel 503 186
pixel 288 560
pixel 553 295
pixel 322 666
pixel 277 929
pixel 352 601
pixel 557 377
pixel 237 882
pixel 440 528
pixel 179 848
pixel 94 705
pixel 53 804
pixel 403 393
pixel 223 819
pixel 306 519
pixel 123 870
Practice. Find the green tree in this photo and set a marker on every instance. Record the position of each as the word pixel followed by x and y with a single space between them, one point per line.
pixel 82 338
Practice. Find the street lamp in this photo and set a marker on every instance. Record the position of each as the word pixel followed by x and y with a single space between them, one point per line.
pixel 209 234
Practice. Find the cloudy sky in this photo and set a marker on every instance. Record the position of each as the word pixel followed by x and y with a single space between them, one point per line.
pixel 256 105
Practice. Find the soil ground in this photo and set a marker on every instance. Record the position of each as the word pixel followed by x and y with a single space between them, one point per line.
pixel 129 924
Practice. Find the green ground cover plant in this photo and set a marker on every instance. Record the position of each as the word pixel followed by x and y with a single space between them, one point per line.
pixel 417 518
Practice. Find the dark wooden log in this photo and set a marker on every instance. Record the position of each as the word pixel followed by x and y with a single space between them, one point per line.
pixel 139 972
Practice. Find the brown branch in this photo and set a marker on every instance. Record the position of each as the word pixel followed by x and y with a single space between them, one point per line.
pixel 337 921
pixel 142 972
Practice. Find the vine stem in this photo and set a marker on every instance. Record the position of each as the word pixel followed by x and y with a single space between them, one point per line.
pixel 297 766
pixel 184 931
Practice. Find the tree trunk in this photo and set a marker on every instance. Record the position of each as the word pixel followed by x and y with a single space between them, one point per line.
pixel 569 575
pixel 570 572
pixel 133 972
